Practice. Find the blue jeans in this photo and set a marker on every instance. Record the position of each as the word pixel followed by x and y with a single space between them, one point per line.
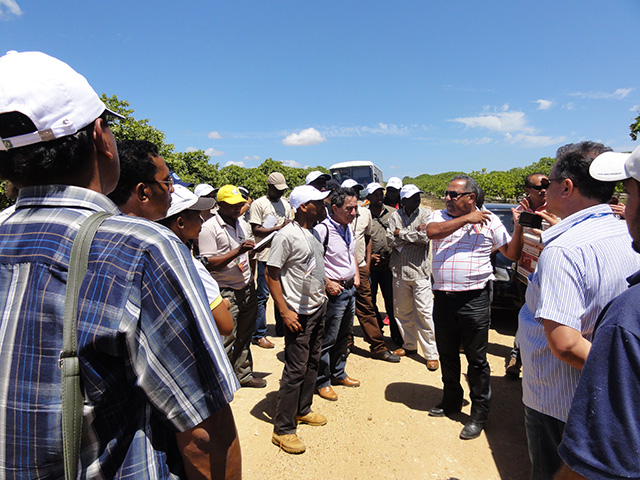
pixel 338 324
pixel 262 292
pixel 544 434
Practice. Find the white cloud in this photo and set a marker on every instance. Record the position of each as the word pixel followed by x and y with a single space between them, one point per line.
pixel 254 158
pixel 212 152
pixel 533 141
pixel 568 106
pixel 619 94
pixel 473 141
pixel 544 104
pixel 634 108
pixel 9 8
pixel 215 135
pixel 503 121
pixel 378 129
pixel 291 163
pixel 308 136
pixel 237 164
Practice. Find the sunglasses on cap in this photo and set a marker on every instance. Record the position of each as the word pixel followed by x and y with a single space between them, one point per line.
pixel 453 195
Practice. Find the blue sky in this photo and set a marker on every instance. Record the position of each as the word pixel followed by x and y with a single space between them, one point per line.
pixel 414 86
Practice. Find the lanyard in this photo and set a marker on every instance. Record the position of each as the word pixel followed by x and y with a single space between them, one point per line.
pixel 593 215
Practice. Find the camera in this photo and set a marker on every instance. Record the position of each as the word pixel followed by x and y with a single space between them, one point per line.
pixel 532 220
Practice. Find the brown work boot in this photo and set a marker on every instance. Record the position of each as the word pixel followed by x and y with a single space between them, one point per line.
pixel 290 443
pixel 312 418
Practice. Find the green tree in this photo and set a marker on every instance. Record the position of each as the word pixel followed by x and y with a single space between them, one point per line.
pixel 635 128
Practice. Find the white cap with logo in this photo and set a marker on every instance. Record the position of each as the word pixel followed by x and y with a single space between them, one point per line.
pixel 409 190
pixel 613 167
pixel 54 97
pixel 351 183
pixel 373 186
pixel 183 199
pixel 304 194
pixel 394 182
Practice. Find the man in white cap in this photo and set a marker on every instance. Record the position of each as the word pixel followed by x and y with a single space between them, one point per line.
pixel 392 196
pixel 154 387
pixel 601 435
pixel 224 241
pixel 365 311
pixel 318 179
pixel 463 238
pixel 584 265
pixel 295 275
pixel 380 272
pixel 185 220
pixel 411 268
pixel 267 215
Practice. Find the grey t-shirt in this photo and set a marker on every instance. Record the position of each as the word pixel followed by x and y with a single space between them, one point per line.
pixel 299 256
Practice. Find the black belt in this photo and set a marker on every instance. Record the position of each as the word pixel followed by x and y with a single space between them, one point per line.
pixel 460 293
pixel 345 283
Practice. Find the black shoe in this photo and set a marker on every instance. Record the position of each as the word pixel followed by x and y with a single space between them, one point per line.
pixel 387 356
pixel 442 410
pixel 255 382
pixel 471 430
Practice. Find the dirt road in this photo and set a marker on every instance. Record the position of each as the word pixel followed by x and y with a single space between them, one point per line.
pixel 381 429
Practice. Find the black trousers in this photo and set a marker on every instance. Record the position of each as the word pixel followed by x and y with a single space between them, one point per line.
pixel 464 318
pixel 298 382
pixel 383 278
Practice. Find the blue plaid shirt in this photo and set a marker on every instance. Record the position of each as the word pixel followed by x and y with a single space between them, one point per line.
pixel 152 363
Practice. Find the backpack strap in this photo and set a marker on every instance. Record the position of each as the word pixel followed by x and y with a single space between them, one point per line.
pixel 69 363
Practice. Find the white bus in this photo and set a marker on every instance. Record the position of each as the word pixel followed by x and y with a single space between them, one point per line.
pixel 362 171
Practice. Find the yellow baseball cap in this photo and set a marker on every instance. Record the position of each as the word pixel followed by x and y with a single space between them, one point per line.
pixel 230 194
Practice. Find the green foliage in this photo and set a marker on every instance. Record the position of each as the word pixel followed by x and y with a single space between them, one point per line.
pixel 497 185
pixel 635 128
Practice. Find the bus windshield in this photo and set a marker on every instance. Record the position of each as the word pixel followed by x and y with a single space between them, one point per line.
pixel 362 175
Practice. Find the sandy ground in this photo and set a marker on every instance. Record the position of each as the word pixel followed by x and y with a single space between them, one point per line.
pixel 381 429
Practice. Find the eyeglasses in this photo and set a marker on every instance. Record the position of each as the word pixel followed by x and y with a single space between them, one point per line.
pixel 169 182
pixel 453 195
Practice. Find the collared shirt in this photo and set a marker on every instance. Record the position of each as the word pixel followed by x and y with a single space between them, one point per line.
pixel 361 227
pixel 462 261
pixel 339 261
pixel 261 210
pixel 586 258
pixel 148 362
pixel 379 243
pixel 410 254
pixel 218 237
pixel 299 256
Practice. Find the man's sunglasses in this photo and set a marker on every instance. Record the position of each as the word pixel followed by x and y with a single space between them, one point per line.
pixel 544 184
pixel 453 195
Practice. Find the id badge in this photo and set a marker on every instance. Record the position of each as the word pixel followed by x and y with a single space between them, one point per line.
pixel 310 267
pixel 242 263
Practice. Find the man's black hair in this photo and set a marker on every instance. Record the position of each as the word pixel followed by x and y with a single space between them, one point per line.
pixel 339 196
pixel 573 162
pixel 527 179
pixel 43 162
pixel 136 166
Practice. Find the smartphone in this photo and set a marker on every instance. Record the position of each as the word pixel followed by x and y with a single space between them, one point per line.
pixel 532 220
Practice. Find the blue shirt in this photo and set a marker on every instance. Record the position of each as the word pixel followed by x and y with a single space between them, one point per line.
pixel 150 366
pixel 586 258
pixel 602 436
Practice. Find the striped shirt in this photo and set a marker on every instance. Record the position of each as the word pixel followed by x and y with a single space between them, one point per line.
pixel 150 363
pixel 584 265
pixel 410 249
pixel 462 261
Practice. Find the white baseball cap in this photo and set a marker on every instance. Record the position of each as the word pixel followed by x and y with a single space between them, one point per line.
pixel 304 194
pixel 394 182
pixel 373 186
pixel 315 175
pixel 351 183
pixel 613 167
pixel 57 99
pixel 409 190
pixel 203 189
pixel 183 199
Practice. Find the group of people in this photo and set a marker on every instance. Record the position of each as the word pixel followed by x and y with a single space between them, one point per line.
pixel 177 284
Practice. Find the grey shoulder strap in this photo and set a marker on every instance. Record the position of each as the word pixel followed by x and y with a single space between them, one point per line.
pixel 69 363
